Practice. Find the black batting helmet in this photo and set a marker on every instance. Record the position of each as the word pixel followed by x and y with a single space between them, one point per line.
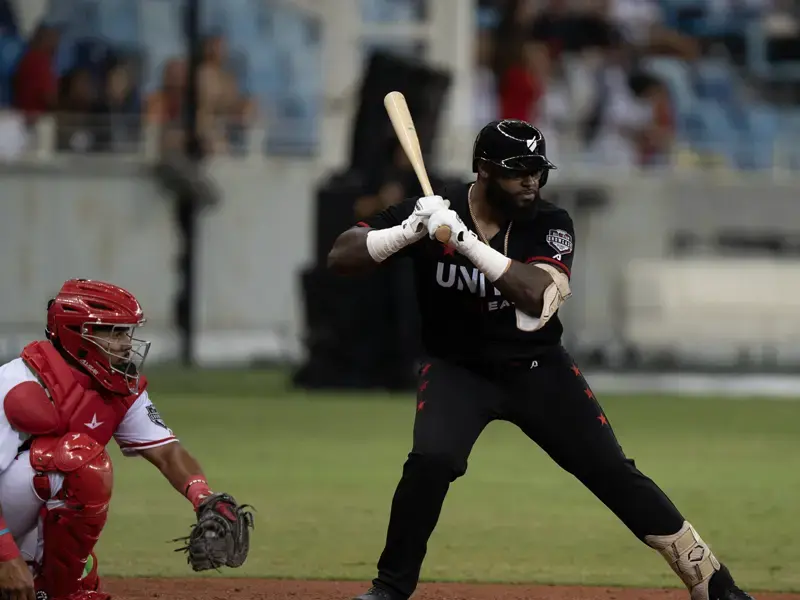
pixel 512 145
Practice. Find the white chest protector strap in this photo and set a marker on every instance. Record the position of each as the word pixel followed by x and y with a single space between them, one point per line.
pixel 689 556
pixel 554 296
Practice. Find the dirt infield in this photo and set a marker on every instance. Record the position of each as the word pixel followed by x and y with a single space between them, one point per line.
pixel 265 589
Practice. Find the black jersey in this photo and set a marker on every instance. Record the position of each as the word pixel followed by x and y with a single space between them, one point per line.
pixel 463 316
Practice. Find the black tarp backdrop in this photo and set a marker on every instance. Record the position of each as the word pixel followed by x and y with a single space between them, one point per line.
pixel 362 332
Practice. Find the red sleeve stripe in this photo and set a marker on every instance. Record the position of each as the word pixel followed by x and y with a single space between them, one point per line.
pixel 553 261
pixel 134 445
pixel 362 224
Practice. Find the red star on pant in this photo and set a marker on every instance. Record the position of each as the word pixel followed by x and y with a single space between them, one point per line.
pixel 576 370
pixel 425 369
pixel 423 386
pixel 449 251
pixel 603 420
pixel 420 405
pixel 589 393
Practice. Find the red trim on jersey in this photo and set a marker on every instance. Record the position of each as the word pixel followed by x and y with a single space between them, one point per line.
pixel 362 224
pixel 140 445
pixel 553 261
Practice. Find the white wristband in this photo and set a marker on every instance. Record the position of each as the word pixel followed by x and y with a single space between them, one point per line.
pixel 489 261
pixel 382 243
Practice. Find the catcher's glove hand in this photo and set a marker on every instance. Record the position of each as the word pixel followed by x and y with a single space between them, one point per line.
pixel 221 536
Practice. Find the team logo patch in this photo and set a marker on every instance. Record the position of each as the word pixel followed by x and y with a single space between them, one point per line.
pixel 560 241
pixel 152 412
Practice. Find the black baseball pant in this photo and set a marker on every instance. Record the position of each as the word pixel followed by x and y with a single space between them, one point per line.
pixel 550 401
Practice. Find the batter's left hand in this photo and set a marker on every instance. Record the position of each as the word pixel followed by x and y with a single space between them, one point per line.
pixel 461 238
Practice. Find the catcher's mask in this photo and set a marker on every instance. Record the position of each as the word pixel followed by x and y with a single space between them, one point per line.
pixel 94 324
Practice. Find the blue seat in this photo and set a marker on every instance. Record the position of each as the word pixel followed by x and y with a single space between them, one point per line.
pixel 762 134
pixel 715 79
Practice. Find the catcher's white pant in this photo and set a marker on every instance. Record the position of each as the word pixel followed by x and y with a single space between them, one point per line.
pixel 22 507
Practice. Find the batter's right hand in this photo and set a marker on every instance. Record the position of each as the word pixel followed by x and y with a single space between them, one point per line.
pixel 16 581
pixel 416 225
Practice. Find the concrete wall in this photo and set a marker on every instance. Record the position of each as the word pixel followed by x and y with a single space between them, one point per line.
pixel 58 222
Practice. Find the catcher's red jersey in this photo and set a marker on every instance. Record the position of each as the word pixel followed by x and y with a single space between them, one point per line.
pixel 135 424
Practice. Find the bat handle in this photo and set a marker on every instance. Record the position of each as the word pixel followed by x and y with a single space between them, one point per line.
pixel 443 233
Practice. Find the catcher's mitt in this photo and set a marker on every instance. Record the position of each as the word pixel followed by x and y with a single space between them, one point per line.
pixel 221 536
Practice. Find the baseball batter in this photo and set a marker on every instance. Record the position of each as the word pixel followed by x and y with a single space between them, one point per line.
pixel 489 303
pixel 63 400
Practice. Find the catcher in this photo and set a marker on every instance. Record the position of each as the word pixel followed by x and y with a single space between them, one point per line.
pixel 63 400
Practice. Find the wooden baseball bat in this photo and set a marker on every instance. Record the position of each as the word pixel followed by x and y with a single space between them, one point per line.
pixel 403 124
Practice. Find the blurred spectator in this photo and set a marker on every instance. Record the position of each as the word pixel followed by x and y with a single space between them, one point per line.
pixel 76 121
pixel 511 34
pixel 94 115
pixel 571 29
pixel 520 65
pixel 631 124
pixel 165 107
pixel 522 83
pixel 119 121
pixel 221 107
pixel 657 137
pixel 641 24
pixel 224 107
pixel 35 84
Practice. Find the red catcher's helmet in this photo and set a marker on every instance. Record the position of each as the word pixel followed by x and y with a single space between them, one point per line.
pixel 93 322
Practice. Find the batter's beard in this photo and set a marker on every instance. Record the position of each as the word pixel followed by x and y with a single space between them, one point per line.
pixel 506 204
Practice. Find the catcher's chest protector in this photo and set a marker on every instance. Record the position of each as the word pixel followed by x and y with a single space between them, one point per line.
pixel 79 409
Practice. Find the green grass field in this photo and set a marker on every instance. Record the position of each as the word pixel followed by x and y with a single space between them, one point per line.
pixel 321 471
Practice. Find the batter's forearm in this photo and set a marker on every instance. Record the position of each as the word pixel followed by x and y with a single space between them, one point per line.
pixel 524 285
pixel 350 255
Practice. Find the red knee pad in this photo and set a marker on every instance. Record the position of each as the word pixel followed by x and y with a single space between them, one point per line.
pixel 71 531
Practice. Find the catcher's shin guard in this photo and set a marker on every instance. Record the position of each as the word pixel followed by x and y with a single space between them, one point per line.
pixel 76 515
pixel 690 558
pixel 90 581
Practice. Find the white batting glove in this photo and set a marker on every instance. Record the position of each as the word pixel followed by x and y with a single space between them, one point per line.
pixel 415 226
pixel 489 261
pixel 461 238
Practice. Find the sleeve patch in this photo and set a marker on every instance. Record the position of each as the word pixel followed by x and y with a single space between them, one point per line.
pixel 560 241
pixel 155 417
